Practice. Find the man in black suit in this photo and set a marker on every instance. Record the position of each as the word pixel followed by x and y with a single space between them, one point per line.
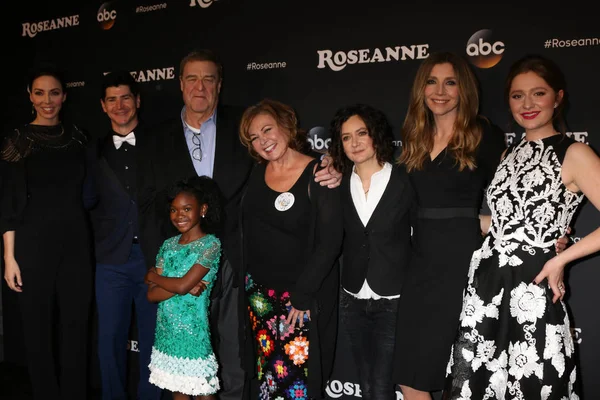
pixel 203 140
pixel 121 266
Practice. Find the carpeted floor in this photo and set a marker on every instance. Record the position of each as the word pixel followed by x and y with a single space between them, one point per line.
pixel 14 383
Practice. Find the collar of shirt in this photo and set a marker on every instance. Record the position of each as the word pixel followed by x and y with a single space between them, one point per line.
pixel 190 131
pixel 365 205
pixel 207 134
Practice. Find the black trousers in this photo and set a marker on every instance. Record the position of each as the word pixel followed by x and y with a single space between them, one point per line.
pixel 371 328
pixel 225 322
pixel 56 270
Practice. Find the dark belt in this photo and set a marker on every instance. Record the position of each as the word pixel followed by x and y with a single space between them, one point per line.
pixel 449 212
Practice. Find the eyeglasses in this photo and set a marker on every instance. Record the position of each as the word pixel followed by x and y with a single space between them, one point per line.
pixel 197 151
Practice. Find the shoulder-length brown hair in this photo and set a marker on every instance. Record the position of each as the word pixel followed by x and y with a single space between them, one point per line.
pixel 419 125
pixel 284 116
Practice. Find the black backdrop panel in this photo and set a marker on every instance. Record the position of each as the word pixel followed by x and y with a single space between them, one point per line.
pixel 316 56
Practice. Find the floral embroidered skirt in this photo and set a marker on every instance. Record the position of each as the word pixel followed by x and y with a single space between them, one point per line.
pixel 513 341
pixel 282 352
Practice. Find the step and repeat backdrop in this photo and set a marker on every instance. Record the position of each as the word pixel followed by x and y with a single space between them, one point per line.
pixel 317 57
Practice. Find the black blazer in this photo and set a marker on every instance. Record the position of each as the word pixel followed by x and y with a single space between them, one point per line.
pixel 165 159
pixel 379 252
pixel 114 212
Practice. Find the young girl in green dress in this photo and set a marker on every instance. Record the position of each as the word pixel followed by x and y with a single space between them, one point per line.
pixel 182 358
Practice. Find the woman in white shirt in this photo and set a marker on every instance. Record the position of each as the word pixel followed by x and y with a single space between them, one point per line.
pixel 377 202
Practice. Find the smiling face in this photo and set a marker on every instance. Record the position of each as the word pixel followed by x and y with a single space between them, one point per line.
pixel 121 106
pixel 47 96
pixel 441 90
pixel 358 145
pixel 185 213
pixel 532 102
pixel 269 140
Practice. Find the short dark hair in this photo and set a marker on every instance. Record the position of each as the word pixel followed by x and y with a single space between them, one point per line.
pixel 206 191
pixel 202 55
pixel 379 130
pixel 118 78
pixel 46 69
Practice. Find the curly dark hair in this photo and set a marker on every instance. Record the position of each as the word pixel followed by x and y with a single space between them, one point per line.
pixel 206 191
pixel 379 130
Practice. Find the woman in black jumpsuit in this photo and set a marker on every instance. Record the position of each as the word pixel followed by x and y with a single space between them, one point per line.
pixel 47 254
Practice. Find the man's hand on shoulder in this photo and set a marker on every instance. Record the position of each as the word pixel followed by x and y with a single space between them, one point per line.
pixel 328 176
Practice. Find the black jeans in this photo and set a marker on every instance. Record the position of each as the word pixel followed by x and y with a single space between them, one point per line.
pixel 371 328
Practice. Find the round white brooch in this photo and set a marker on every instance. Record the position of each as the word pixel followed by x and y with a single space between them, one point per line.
pixel 284 201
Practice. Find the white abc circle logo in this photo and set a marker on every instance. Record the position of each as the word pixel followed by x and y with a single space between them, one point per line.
pixel 106 16
pixel 483 52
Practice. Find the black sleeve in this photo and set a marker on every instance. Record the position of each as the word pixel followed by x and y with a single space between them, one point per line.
pixel 493 144
pixel 326 244
pixel 151 204
pixel 13 197
pixel 90 192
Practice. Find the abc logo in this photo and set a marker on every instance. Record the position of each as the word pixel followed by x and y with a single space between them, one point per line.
pixel 106 16
pixel 483 52
pixel 318 139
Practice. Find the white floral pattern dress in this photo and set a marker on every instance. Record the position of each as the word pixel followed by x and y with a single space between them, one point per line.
pixel 513 342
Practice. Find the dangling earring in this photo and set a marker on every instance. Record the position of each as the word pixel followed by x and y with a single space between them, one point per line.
pixel 32 110
pixel 555 105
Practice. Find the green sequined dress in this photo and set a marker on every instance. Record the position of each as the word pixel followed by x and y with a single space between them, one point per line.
pixel 182 357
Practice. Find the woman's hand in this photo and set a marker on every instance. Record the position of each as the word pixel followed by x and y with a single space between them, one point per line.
pixel 12 275
pixel 554 271
pixel 199 288
pixel 296 315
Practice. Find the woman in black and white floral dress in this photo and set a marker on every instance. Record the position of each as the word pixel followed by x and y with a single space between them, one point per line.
pixel 514 339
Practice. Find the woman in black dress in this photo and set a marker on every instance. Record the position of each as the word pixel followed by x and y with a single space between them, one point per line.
pixel 47 251
pixel 292 233
pixel 450 154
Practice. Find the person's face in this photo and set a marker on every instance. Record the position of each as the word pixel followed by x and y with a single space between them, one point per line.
pixel 358 145
pixel 268 139
pixel 441 90
pixel 532 101
pixel 200 84
pixel 47 96
pixel 185 212
pixel 121 106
